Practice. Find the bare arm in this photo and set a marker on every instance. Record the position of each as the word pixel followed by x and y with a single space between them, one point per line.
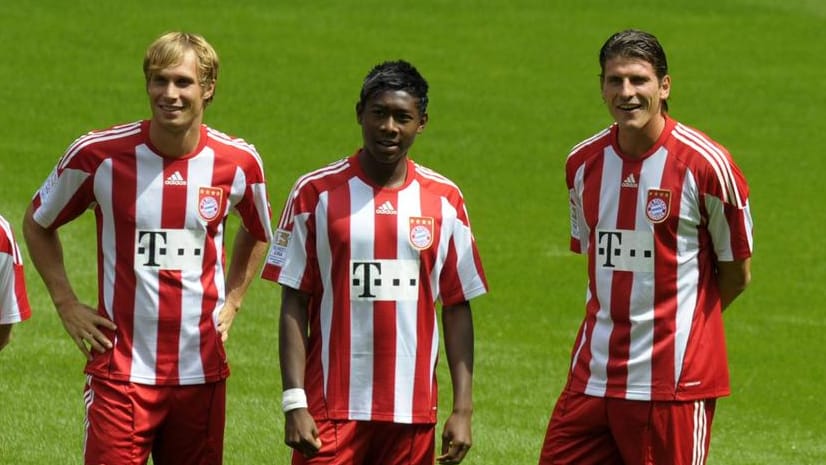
pixel 457 321
pixel 732 279
pixel 300 431
pixel 247 253
pixel 81 321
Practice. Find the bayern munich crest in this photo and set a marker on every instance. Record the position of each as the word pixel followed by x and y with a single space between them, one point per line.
pixel 658 205
pixel 421 232
pixel 209 203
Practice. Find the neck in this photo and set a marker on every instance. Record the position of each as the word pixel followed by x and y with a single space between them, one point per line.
pixel 174 143
pixel 635 143
pixel 389 175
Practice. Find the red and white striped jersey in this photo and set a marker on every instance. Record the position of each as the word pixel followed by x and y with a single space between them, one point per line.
pixel 374 261
pixel 653 229
pixel 160 228
pixel 14 302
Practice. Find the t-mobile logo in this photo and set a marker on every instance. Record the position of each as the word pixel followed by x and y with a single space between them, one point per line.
pixel 384 280
pixel 625 250
pixel 169 249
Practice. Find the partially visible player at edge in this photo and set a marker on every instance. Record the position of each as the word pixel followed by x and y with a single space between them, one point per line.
pixel 364 248
pixel 14 302
pixel 662 213
pixel 161 190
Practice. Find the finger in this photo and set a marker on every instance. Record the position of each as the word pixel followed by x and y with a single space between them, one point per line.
pixel 455 454
pixel 99 345
pixel 311 448
pixel 445 445
pixel 98 340
pixel 82 346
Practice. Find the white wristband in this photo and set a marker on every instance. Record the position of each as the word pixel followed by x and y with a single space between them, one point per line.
pixel 292 399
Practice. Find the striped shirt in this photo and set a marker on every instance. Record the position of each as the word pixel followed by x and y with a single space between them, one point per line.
pixel 160 231
pixel 374 261
pixel 14 302
pixel 653 229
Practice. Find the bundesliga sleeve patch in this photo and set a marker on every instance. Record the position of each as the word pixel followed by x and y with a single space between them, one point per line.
pixel 278 251
pixel 48 186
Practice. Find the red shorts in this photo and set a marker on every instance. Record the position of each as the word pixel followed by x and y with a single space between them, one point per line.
pixel 586 430
pixel 178 425
pixel 369 442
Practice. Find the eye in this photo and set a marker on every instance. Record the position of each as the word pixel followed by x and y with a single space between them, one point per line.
pixel 404 118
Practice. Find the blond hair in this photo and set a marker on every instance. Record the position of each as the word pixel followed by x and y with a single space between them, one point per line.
pixel 168 50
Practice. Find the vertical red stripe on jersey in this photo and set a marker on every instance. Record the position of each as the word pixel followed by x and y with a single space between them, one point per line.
pixel 124 195
pixel 621 284
pixel 665 270
pixel 20 292
pixel 384 312
pixel 338 230
pixel 592 180
pixel 211 344
pixel 170 293
pixel 425 391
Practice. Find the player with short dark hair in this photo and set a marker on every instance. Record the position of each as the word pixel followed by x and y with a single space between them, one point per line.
pixel 161 190
pixel 14 302
pixel 364 248
pixel 662 212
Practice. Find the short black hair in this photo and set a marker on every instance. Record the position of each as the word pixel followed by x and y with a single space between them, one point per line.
pixel 634 43
pixel 395 75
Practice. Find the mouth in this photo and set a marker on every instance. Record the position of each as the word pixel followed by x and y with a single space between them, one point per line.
pixel 387 143
pixel 629 107
pixel 170 108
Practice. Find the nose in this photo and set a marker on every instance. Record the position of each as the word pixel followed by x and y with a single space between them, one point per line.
pixel 627 89
pixel 170 91
pixel 389 125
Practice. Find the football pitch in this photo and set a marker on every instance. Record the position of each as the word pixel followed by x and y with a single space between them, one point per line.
pixel 514 84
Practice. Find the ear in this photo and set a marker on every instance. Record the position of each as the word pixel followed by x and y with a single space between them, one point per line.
pixel 209 90
pixel 359 109
pixel 422 124
pixel 665 87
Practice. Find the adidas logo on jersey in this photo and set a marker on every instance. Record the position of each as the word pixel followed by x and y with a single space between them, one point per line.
pixel 175 179
pixel 386 209
pixel 630 181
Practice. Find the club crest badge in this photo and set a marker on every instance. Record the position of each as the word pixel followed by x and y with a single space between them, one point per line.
pixel 421 232
pixel 658 205
pixel 209 203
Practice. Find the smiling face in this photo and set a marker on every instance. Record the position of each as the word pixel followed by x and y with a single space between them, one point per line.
pixel 390 121
pixel 634 95
pixel 176 96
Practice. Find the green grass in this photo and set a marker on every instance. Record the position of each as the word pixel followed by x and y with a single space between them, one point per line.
pixel 513 87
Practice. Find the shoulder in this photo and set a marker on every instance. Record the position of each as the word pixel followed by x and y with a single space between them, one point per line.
pixel 698 151
pixel 111 135
pixel 436 182
pixel 325 178
pixel 698 142
pixel 590 147
pixel 225 143
pixel 710 161
pixel 6 236
pixel 103 141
